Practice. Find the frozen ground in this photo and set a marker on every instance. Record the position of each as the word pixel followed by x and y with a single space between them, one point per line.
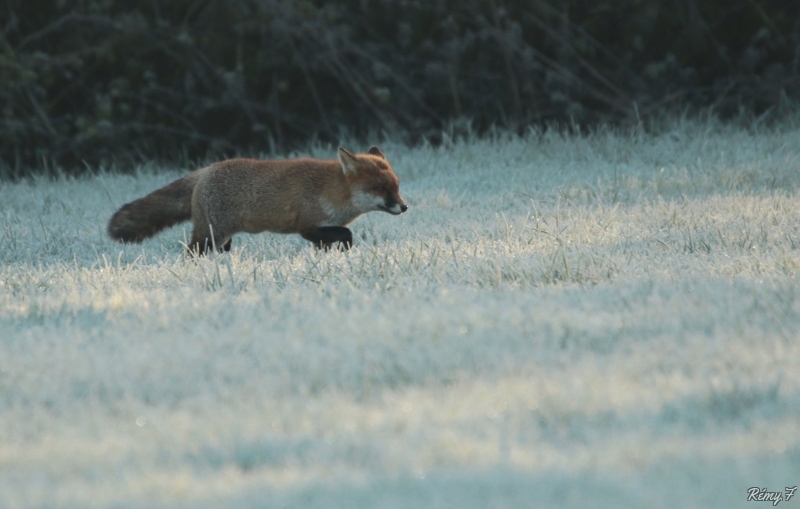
pixel 606 321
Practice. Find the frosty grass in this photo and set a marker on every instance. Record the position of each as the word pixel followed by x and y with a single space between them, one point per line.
pixel 607 320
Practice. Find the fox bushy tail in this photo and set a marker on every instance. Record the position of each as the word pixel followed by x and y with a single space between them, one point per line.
pixel 143 218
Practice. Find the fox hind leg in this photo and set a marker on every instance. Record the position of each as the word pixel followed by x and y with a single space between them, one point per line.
pixel 324 237
pixel 203 242
pixel 204 246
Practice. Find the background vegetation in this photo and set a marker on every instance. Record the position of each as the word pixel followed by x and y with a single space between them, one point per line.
pixel 104 81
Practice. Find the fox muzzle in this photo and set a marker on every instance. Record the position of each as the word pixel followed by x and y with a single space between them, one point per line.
pixel 395 208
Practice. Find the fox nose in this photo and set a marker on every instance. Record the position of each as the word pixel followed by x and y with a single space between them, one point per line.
pixel 403 208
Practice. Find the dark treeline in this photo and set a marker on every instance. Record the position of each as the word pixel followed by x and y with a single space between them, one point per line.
pixel 103 81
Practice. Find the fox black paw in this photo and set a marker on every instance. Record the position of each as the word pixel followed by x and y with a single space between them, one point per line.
pixel 325 236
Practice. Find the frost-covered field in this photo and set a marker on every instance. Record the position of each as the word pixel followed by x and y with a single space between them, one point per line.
pixel 601 321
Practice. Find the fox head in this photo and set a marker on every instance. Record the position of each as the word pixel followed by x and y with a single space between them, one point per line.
pixel 372 180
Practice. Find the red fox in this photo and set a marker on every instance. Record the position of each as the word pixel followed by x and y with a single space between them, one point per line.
pixel 312 197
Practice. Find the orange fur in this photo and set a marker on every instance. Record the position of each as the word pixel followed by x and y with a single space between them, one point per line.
pixel 315 198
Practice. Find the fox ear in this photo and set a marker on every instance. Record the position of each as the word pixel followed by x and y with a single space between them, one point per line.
pixel 376 152
pixel 348 161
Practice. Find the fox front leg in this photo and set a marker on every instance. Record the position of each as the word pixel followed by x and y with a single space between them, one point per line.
pixel 323 237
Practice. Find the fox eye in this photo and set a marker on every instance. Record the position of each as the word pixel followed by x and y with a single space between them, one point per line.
pixel 382 189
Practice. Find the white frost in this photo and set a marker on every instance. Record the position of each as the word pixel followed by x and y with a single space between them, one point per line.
pixel 597 321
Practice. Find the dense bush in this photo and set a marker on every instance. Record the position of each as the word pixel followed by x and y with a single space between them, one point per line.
pixel 105 80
